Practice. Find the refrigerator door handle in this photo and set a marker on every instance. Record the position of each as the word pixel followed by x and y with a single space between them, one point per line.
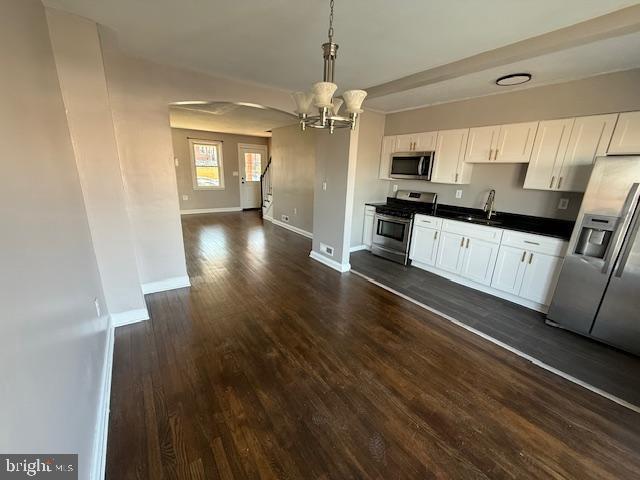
pixel 628 211
pixel 628 243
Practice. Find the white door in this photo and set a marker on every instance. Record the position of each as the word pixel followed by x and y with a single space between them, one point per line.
pixel 515 142
pixel 424 245
pixel 404 143
pixel 540 277
pixel 590 137
pixel 425 142
pixel 449 157
pixel 387 148
pixel 450 250
pixel 509 270
pixel 549 148
pixel 626 136
pixel 479 260
pixel 252 159
pixel 367 234
pixel 481 144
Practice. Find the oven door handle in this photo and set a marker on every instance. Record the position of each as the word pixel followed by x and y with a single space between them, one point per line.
pixel 380 216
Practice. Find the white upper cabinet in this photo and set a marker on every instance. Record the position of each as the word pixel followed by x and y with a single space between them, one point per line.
pixel 515 142
pixel 590 137
pixel 626 136
pixel 564 152
pixel 404 143
pixel 425 142
pixel 548 150
pixel 388 147
pixel 416 142
pixel 449 165
pixel 481 144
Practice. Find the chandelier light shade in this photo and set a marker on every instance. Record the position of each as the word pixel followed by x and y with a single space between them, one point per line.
pixel 321 95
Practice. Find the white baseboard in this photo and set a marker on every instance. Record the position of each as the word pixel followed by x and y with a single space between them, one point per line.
pixel 341 267
pixel 130 316
pixel 357 248
pixel 166 284
pixel 297 230
pixel 102 421
pixel 210 210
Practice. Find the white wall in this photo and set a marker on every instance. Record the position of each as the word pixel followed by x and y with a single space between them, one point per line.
pixel 52 344
pixel 293 170
pixel 140 93
pixel 367 186
pixel 78 58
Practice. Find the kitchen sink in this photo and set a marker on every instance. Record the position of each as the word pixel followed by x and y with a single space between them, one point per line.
pixel 480 220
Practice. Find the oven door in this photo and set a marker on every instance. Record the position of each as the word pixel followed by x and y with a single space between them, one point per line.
pixel 392 233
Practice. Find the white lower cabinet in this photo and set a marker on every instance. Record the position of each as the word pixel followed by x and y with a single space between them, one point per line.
pixel 529 275
pixel 424 245
pixel 367 230
pixel 450 252
pixel 479 260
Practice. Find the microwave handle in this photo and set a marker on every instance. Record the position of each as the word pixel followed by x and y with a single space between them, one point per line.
pixel 420 166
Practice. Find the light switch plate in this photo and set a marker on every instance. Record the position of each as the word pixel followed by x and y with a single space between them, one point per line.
pixel 235 174
pixel 175 160
pixel 185 197
pixel 563 204
pixel 324 186
pixel 458 193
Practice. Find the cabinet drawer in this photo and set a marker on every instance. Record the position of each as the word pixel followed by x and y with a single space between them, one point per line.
pixel 427 221
pixel 480 232
pixel 535 243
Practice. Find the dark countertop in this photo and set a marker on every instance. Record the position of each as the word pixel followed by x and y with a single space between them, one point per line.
pixel 550 227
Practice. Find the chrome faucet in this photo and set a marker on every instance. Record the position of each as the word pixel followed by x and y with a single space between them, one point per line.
pixel 490 204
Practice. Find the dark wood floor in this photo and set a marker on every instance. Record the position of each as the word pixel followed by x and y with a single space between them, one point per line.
pixel 274 366
pixel 599 365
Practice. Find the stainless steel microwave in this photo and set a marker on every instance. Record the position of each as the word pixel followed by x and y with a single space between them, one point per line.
pixel 413 165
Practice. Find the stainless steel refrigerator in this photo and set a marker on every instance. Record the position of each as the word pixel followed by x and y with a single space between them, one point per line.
pixel 598 292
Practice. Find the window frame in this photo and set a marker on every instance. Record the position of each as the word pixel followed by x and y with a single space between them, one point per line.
pixel 194 175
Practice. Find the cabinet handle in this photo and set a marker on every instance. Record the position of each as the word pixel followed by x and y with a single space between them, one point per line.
pixel 559 182
pixel 530 258
pixel 490 153
pixel 435 235
pixel 462 242
pixel 553 179
pixel 456 178
pixel 531 243
pixel 495 155
pixel 467 243
pixel 524 255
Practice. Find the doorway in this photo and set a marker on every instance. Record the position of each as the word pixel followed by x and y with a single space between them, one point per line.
pixel 252 159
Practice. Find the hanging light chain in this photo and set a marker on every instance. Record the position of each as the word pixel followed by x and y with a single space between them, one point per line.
pixel 331 21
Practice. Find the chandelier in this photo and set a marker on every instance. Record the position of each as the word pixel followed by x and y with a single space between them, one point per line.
pixel 321 95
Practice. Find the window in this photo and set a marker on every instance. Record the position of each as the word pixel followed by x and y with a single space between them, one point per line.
pixel 252 166
pixel 206 160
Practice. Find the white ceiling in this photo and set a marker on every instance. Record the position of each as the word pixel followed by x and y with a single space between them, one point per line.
pixel 277 42
pixel 229 118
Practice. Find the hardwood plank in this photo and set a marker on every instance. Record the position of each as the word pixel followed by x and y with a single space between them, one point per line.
pixel 273 366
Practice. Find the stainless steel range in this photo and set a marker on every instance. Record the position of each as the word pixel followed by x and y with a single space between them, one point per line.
pixel 394 221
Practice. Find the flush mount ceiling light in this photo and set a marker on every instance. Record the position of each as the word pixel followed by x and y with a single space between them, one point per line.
pixel 513 79
pixel 321 95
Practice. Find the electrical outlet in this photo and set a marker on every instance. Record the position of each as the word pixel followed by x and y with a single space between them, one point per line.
pixel 285 218
pixel 324 186
pixel 295 211
pixel 328 249
pixel 563 204
pixel 458 193
pixel 185 197
pixel 96 303
pixel 395 188
pixel 175 160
